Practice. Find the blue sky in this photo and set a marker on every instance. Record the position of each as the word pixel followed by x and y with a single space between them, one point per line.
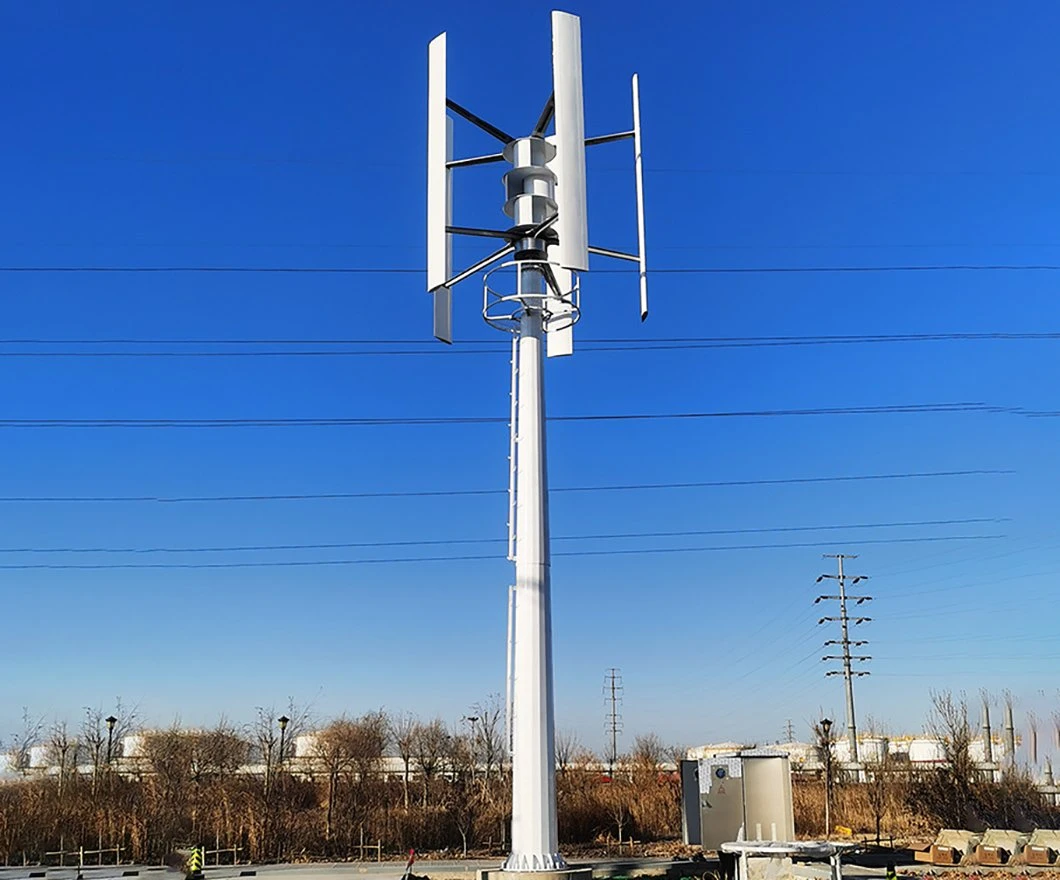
pixel 227 134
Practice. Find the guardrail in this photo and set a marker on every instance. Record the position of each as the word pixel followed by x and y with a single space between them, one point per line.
pixel 216 853
pixel 363 847
pixel 81 852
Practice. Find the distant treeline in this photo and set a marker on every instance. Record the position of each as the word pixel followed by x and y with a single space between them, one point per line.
pixel 233 787
pixel 400 783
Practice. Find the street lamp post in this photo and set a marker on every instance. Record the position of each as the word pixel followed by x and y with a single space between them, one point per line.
pixel 284 721
pixel 826 729
pixel 111 721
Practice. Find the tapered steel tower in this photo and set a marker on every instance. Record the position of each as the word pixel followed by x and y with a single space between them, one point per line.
pixel 532 290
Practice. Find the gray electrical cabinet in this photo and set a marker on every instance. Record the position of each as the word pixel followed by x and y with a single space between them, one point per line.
pixel 748 791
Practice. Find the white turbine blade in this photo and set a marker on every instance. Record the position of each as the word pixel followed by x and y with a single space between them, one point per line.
pixel 443 297
pixel 439 150
pixel 559 329
pixel 439 191
pixel 443 314
pixel 639 168
pixel 569 164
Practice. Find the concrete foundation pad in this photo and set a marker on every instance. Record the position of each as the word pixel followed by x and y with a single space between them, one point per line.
pixel 567 874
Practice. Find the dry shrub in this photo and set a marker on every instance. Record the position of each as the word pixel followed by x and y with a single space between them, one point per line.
pixel 642 802
pixel 853 806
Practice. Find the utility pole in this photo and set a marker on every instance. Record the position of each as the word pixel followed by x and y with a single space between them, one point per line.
pixel 988 737
pixel 848 672
pixel 789 732
pixel 613 696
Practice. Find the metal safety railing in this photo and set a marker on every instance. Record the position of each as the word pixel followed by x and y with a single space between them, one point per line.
pixel 218 851
pixel 363 848
pixel 81 852
pixel 611 844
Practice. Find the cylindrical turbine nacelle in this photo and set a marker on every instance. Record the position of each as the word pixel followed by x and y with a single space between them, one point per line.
pixel 531 193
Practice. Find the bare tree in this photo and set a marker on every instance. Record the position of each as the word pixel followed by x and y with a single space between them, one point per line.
pixel 950 786
pixel 568 747
pixel 431 749
pixel 368 744
pixel 465 802
pixel 489 733
pixel 333 748
pixel 169 762
pixel 880 777
pixel 62 751
pixel 824 738
pixel 218 752
pixel 267 735
pixel 648 753
pixel 28 735
pixel 403 732
pixel 97 734
pixel 616 795
pixel 676 753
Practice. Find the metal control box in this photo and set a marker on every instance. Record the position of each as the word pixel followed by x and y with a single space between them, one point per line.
pixel 742 794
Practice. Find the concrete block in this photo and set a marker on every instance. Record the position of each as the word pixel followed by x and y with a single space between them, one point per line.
pixel 1036 854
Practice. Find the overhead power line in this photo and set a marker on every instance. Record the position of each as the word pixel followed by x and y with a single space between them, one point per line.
pixel 348 160
pixel 346 545
pixel 451 493
pixel 667 340
pixel 496 557
pixel 408 421
pixel 370 347
pixel 411 270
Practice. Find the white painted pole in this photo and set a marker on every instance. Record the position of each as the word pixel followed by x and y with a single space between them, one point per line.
pixel 508 672
pixel 534 836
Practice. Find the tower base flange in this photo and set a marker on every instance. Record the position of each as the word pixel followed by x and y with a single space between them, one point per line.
pixel 565 874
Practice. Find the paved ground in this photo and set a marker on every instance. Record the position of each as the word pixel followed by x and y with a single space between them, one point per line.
pixel 466 870
pixel 451 870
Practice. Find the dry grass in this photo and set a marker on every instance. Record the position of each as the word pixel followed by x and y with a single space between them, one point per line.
pixel 852 807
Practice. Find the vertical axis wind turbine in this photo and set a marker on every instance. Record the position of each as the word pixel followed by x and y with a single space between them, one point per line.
pixel 531 289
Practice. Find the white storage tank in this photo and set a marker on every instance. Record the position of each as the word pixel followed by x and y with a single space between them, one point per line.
pixel 305 745
pixel 800 754
pixel 873 749
pixel 132 746
pixel 39 757
pixel 977 751
pixel 926 750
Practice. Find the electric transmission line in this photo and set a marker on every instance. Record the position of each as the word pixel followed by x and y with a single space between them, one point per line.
pixel 637 551
pixel 326 348
pixel 345 545
pixel 404 421
pixel 449 493
pixel 845 642
pixel 413 270
pixel 613 725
